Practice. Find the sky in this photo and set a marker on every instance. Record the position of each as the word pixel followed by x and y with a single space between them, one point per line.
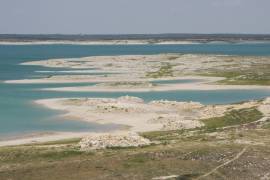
pixel 134 16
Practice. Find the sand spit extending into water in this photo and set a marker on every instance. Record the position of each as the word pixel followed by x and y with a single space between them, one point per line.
pixel 141 116
pixel 163 87
pixel 137 115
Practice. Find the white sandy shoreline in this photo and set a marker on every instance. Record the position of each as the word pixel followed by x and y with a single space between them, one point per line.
pixel 102 79
pixel 167 87
pixel 204 83
pixel 41 138
pixel 50 137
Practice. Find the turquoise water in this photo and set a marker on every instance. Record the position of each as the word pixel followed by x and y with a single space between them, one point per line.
pixel 19 115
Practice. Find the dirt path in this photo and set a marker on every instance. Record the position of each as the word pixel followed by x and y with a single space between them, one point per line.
pixel 224 164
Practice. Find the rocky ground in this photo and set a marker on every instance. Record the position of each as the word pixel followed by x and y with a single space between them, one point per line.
pixel 104 141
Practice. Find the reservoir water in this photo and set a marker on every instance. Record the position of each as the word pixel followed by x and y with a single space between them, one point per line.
pixel 19 115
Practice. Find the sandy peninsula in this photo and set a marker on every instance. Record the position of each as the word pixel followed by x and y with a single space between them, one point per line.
pixel 135 115
pixel 217 71
pixel 149 87
pixel 141 116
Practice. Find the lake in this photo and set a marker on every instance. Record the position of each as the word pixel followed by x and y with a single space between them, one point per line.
pixel 18 114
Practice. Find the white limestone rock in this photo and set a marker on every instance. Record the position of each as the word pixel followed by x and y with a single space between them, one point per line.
pixel 103 141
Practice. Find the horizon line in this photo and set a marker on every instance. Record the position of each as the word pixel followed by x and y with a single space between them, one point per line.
pixel 115 34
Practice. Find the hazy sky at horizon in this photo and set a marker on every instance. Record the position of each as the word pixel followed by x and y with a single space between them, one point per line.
pixel 134 16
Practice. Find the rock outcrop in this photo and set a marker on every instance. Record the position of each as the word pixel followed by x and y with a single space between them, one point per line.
pixel 102 141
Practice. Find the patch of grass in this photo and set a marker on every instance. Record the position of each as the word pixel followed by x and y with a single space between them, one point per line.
pixel 35 153
pixel 187 176
pixel 57 155
pixel 226 74
pixel 127 148
pixel 109 65
pixel 60 142
pixel 164 71
pixel 173 57
pixel 262 82
pixel 139 158
pixel 255 75
pixel 267 124
pixel 231 118
pixel 162 135
pixel 115 84
pixel 186 159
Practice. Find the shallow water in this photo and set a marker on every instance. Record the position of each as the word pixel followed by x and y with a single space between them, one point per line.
pixel 19 115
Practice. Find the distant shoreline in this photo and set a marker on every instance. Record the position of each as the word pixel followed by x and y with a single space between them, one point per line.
pixel 98 42
pixel 119 39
